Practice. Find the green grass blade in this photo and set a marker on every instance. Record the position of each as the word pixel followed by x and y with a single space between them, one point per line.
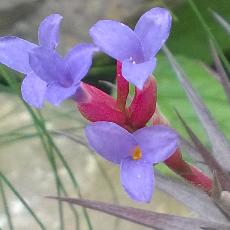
pixel 219 143
pixel 7 211
pixel 209 34
pixel 221 21
pixel 11 187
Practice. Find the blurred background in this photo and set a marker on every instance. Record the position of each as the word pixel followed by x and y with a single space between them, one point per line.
pixel 23 158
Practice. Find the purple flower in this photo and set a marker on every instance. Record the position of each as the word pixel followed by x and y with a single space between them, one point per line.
pixel 135 49
pixel 135 152
pixel 48 75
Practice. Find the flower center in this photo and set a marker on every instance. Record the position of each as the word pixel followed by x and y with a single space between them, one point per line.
pixel 137 154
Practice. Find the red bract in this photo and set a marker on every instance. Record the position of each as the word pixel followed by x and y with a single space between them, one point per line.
pixel 100 106
pixel 122 88
pixel 143 105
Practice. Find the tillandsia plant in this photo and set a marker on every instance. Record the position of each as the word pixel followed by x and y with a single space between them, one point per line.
pixel 136 135
pixel 54 78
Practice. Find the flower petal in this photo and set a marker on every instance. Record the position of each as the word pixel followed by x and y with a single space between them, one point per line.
pixel 137 74
pixel 14 53
pixel 79 60
pixel 33 90
pixel 153 30
pixel 56 93
pixel 117 40
pixel 49 66
pixel 48 32
pixel 157 143
pixel 137 178
pixel 110 140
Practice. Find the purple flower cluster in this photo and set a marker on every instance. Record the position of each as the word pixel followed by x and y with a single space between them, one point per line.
pixel 53 78
pixel 48 76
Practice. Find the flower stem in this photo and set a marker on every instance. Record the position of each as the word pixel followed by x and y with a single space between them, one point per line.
pixel 182 168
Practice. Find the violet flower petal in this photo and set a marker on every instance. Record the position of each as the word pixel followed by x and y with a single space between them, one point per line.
pixel 153 30
pixel 110 140
pixel 33 90
pixel 56 93
pixel 117 40
pixel 137 178
pixel 79 60
pixel 48 65
pixel 157 143
pixel 14 53
pixel 48 32
pixel 137 74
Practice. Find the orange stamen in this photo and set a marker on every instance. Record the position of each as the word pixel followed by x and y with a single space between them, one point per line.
pixel 137 154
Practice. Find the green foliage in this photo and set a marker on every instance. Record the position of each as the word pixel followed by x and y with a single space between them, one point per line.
pixel 188 37
pixel 171 95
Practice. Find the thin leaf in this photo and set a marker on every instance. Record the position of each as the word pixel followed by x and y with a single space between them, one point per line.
pixel 207 156
pixel 221 21
pixel 221 71
pixel 147 218
pixel 217 140
pixel 11 187
pixel 190 150
pixel 5 203
pixel 209 33
pixel 198 201
pixel 220 197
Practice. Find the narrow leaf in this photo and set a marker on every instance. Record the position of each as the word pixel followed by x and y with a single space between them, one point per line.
pixel 6 181
pixel 217 140
pixel 207 156
pixel 190 150
pixel 147 218
pixel 198 201
pixel 223 77
pixel 222 21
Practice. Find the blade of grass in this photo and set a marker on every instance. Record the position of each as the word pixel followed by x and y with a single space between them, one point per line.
pixel 195 199
pixel 15 86
pixel 6 207
pixel 207 156
pixel 49 152
pixel 16 193
pixel 147 218
pixel 217 140
pixel 41 123
pixel 209 33
pixel 221 71
pixel 221 21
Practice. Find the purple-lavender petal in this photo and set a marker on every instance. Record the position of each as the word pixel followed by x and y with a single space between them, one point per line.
pixel 14 53
pixel 49 66
pixel 79 60
pixel 56 93
pixel 157 143
pixel 110 140
pixel 33 90
pixel 48 32
pixel 153 30
pixel 137 74
pixel 117 40
pixel 137 178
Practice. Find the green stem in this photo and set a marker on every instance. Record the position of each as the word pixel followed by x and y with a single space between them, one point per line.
pixel 7 211
pixel 6 181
